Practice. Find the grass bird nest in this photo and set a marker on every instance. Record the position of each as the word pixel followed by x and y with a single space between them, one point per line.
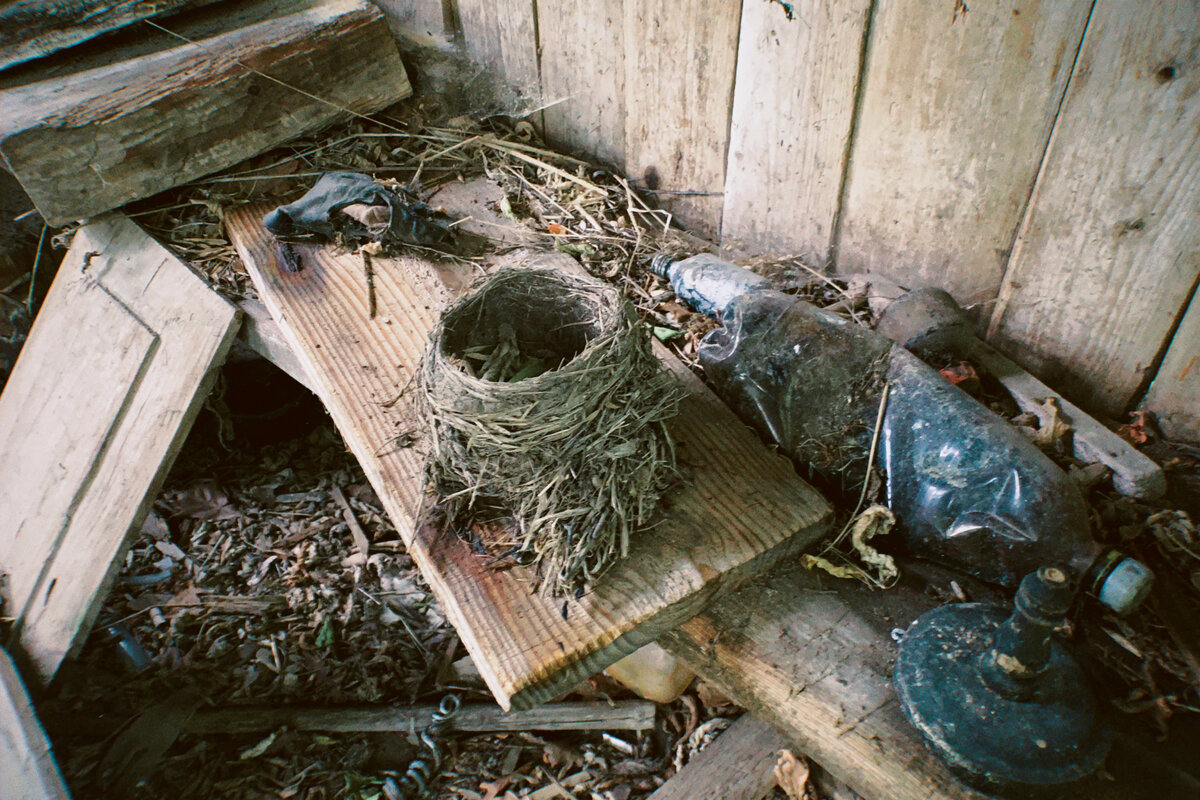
pixel 546 406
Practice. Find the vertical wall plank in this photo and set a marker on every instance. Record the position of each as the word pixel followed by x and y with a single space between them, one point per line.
pixel 1110 247
pixel 421 22
pixel 1175 394
pixel 679 69
pixel 957 107
pixel 500 35
pixel 583 65
pixel 792 107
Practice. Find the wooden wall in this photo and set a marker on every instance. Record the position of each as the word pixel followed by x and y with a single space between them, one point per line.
pixel 1040 159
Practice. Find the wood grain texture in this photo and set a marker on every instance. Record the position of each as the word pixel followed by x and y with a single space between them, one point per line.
pixel 740 507
pixel 33 28
pixel 622 715
pixel 89 142
pixel 957 107
pixel 1109 250
pixel 583 66
pixel 813 656
pixel 738 765
pixel 679 69
pixel 1175 394
pixel 99 403
pixel 793 102
pixel 501 36
pixel 27 768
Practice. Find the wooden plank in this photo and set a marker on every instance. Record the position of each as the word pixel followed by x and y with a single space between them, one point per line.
pixel 1175 394
pixel 27 768
pixel 628 715
pixel 793 102
pixel 677 131
pixel 501 35
pixel 1106 255
pixel 116 368
pixel 33 28
pixel 813 656
pixel 262 335
pixel 420 22
pixel 89 142
pixel 957 106
pixel 738 765
pixel 741 509
pixel 583 75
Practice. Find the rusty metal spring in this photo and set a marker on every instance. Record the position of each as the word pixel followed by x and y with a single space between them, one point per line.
pixel 415 781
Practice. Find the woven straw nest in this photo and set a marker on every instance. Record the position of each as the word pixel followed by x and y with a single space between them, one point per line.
pixel 546 408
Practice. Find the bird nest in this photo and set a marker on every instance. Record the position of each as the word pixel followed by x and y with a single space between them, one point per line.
pixel 546 405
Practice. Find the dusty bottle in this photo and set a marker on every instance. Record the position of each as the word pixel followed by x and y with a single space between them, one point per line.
pixel 967 488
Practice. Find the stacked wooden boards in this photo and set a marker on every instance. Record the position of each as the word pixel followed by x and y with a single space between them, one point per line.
pixel 98 404
pixel 90 141
pixel 740 508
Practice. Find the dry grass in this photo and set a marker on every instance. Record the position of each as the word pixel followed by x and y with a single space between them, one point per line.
pixel 576 457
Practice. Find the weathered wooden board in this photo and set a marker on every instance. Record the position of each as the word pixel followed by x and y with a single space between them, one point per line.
pixel 89 142
pixel 740 509
pixel 957 106
pixel 34 28
pixel 501 35
pixel 1175 394
pixel 27 768
pixel 583 75
pixel 738 765
pixel 793 102
pixel 115 369
pixel 813 656
pixel 677 127
pixel 1107 254
pixel 421 22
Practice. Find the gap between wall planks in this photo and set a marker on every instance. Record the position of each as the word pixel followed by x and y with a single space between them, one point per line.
pixel 679 80
pixel 501 35
pixel 83 144
pixel 1174 396
pixel 793 104
pixel 1110 247
pixel 98 405
pixel 739 509
pixel 957 107
pixel 582 46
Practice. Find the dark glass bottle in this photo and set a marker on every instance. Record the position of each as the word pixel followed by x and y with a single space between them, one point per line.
pixel 967 488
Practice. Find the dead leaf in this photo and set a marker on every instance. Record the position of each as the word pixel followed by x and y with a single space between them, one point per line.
pixel 1140 430
pixel 710 696
pixel 1052 427
pixel 556 229
pixel 203 500
pixel 962 375
pixel 492 789
pixel 791 774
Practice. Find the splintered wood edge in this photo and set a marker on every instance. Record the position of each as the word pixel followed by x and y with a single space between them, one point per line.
pixel 447 574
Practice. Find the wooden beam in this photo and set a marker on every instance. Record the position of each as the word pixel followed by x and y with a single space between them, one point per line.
pixel 116 367
pixel 262 335
pixel 813 656
pixel 501 36
pixel 89 142
pixel 741 509
pixel 793 102
pixel 1106 257
pixel 957 105
pixel 27 768
pixel 33 28
pixel 738 765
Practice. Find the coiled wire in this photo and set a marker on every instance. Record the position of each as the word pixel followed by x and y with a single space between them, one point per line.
pixel 415 781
